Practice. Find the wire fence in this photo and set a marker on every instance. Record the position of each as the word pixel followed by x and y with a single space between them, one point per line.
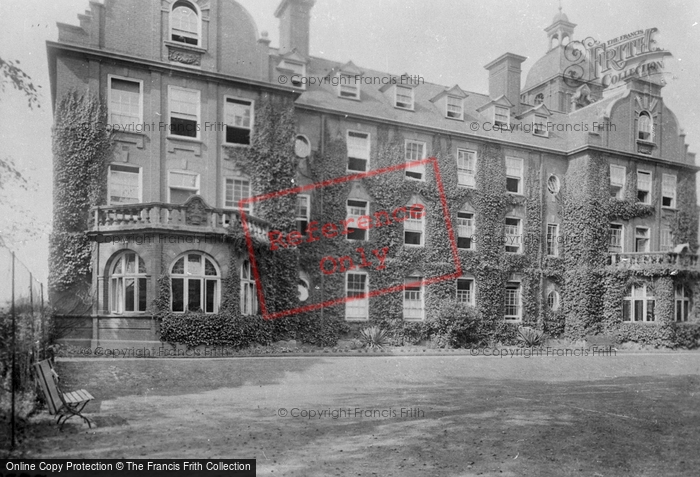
pixel 24 330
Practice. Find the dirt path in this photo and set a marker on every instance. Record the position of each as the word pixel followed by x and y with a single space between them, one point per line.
pixel 630 415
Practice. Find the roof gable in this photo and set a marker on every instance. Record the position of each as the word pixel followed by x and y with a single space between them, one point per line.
pixel 540 110
pixel 294 56
pixel 350 69
pixel 454 91
pixel 500 101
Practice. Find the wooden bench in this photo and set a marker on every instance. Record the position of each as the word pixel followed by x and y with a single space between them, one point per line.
pixel 63 405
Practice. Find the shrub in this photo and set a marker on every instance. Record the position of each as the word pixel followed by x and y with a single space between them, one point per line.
pixel 457 326
pixel 321 332
pixel 531 338
pixel 669 335
pixel 374 337
pixel 225 329
pixel 414 332
pixel 30 345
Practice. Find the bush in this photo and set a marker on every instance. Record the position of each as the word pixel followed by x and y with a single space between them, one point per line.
pixel 374 337
pixel 414 332
pixel 687 336
pixel 531 338
pixel 224 329
pixel 321 332
pixel 457 326
pixel 31 332
pixel 669 335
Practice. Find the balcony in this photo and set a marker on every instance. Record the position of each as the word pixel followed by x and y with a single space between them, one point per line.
pixel 194 216
pixel 680 260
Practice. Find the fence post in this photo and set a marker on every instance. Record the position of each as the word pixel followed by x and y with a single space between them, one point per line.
pixel 12 372
pixel 42 347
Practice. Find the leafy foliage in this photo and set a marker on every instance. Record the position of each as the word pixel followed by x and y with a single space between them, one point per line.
pixel 223 329
pixel 374 337
pixel 458 326
pixel 81 151
pixel 21 224
pixel 11 73
pixel 531 338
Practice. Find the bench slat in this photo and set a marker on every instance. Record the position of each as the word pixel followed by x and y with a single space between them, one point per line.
pixel 84 395
pixel 71 398
pixel 48 386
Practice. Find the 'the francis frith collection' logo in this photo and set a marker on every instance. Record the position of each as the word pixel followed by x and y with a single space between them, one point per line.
pixel 608 63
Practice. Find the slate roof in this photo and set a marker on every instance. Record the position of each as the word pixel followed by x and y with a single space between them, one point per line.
pixel 379 105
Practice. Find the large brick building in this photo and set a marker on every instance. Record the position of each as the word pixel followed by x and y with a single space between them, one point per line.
pixel 184 81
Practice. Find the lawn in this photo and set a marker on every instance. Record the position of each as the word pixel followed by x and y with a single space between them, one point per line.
pixel 628 415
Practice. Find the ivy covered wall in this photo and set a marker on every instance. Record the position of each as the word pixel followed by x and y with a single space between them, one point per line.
pixel 591 291
pixel 595 289
pixel 81 152
pixel 271 165
pixel 488 264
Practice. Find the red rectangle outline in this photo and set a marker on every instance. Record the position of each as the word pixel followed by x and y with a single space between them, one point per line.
pixel 339 180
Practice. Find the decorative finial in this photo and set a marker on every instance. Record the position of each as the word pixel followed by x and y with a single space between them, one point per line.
pixel 559 6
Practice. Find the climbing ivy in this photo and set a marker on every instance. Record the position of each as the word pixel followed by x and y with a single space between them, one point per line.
pixel 591 290
pixel 685 228
pixel 271 165
pixel 81 150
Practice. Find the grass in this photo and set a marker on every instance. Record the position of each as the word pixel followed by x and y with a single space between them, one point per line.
pixel 630 415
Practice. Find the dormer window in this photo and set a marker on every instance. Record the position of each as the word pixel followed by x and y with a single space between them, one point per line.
pixel 455 108
pixel 645 127
pixel 404 97
pixel 501 116
pixel 185 24
pixel 348 87
pixel 539 128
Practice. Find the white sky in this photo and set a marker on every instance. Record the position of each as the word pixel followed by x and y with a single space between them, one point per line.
pixel 445 41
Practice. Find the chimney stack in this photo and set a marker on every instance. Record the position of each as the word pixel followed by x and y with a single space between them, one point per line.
pixel 504 78
pixel 295 20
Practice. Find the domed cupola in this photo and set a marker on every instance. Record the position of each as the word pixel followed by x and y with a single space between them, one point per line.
pixel 554 78
pixel 561 31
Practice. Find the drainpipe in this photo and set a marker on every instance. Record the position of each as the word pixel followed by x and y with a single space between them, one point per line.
pixel 542 243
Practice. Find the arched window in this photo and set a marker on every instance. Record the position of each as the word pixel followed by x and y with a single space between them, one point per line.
pixel 553 300
pixel 184 23
pixel 249 297
pixel 645 127
pixel 127 284
pixel 539 99
pixel 195 282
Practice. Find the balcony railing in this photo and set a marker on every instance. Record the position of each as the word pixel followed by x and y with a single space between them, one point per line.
pixel 645 259
pixel 193 216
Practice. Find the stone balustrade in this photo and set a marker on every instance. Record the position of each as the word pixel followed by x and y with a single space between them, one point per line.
pixel 645 259
pixel 193 216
